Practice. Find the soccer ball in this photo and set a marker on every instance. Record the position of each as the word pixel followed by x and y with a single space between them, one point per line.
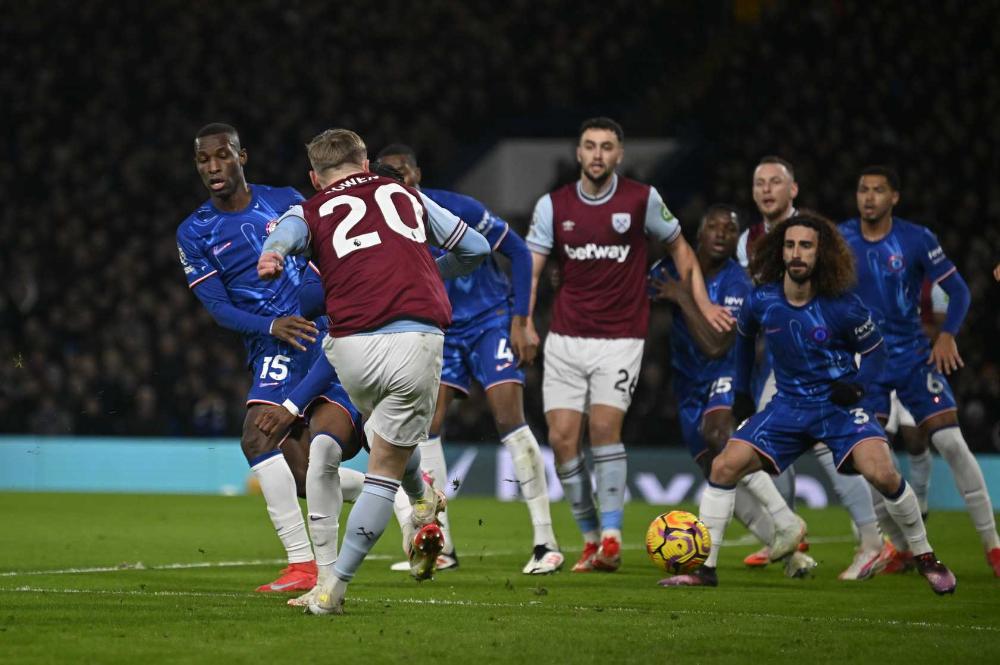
pixel 678 542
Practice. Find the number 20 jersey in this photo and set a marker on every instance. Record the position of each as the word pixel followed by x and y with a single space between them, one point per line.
pixel 368 235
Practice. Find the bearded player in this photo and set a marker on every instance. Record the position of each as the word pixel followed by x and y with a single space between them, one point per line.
pixel 597 229
pixel 813 327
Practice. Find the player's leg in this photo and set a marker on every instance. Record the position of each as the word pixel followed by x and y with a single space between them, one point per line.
pixel 278 486
pixel 870 457
pixel 716 427
pixel 946 437
pixel 506 401
pixel 335 438
pixel 432 461
pixel 928 396
pixel 617 363
pixel 856 497
pixel 901 422
pixel 367 365
pixel 564 394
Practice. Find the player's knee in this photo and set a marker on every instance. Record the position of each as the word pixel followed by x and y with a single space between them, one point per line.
pixel 884 478
pixel 725 471
pixel 507 423
pixel 255 443
pixel 604 432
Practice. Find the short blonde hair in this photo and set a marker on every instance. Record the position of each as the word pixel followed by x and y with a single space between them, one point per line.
pixel 335 147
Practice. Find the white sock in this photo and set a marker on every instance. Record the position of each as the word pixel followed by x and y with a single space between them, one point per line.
pixel 969 479
pixel 324 501
pixel 403 509
pixel 753 515
pixel 432 461
pixel 529 469
pixel 785 483
pixel 920 476
pixel 905 512
pixel 277 484
pixel 760 485
pixel 715 511
pixel 852 490
pixel 351 483
pixel 887 524
pixel 869 537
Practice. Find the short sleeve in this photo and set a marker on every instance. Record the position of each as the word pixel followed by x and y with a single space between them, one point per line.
pixel 936 265
pixel 540 235
pixel 859 329
pixel 196 267
pixel 661 225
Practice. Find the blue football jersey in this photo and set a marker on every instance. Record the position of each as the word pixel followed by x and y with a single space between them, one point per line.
pixel 891 272
pixel 228 244
pixel 728 287
pixel 813 345
pixel 487 288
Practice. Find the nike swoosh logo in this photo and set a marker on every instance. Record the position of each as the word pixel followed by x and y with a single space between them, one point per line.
pixel 316 518
pixel 267 385
pixel 504 366
pixel 279 587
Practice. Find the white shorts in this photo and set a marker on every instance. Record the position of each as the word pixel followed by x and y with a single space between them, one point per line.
pixel 580 371
pixel 899 415
pixel 392 379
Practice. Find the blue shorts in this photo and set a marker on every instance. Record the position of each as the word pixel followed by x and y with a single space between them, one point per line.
pixel 694 400
pixel 278 367
pixel 922 389
pixel 480 351
pixel 787 428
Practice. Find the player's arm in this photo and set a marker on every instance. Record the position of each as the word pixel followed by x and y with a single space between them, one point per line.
pixel 208 287
pixel 746 351
pixel 273 419
pixel 290 236
pixel 937 266
pixel 661 225
pixel 523 338
pixel 939 310
pixel 540 240
pixel 466 247
pixel 711 342
pixel 864 338
pixel 312 297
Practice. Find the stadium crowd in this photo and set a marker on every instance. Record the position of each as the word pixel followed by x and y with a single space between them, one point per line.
pixel 99 332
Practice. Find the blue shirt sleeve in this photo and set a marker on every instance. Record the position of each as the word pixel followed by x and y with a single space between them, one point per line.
pixel 746 340
pixel 513 247
pixel 859 330
pixel 196 267
pixel 312 297
pixel 959 299
pixel 314 383
pixel 936 265
pixel 735 293
pixel 212 293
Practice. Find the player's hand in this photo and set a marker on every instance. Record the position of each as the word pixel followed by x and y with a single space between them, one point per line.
pixel 719 318
pixel 274 419
pixel 270 265
pixel 523 340
pixel 292 329
pixel 668 288
pixel 743 407
pixel 845 393
pixel 944 354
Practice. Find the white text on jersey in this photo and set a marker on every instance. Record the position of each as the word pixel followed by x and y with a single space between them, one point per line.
pixel 594 251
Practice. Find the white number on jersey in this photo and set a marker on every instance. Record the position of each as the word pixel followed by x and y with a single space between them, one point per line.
pixel 278 366
pixel 860 417
pixel 504 352
pixel 721 386
pixel 343 244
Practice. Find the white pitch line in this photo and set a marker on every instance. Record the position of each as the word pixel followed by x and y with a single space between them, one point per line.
pixel 138 565
pixel 521 605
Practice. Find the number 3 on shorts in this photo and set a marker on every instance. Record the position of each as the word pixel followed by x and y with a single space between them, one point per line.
pixel 860 417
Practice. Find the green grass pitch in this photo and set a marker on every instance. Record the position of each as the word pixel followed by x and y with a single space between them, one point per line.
pixel 171 579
